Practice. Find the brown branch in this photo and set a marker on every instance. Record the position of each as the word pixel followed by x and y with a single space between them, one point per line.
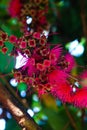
pixel 82 117
pixel 18 112
pixel 8 86
pixel 83 17
pixel 72 121
pixel 66 126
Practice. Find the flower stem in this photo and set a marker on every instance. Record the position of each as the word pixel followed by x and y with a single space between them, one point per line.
pixel 72 121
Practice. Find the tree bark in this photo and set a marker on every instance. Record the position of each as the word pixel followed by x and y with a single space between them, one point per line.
pixel 17 110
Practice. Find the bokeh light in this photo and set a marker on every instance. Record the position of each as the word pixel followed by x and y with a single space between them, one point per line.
pixel 30 112
pixel 76 49
pixel 2 124
pixel 13 82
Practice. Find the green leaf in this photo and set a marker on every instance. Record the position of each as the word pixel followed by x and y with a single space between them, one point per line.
pixel 9 46
pixel 57 120
pixel 11 124
pixel 6 29
pixel 7 63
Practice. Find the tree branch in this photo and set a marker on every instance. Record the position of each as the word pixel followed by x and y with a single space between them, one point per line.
pixel 83 17
pixel 18 112
pixel 66 126
pixel 11 90
pixel 72 121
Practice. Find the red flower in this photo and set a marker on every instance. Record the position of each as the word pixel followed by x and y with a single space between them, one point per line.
pixel 42 41
pixel 57 76
pixel 18 76
pixel 41 89
pixel 1 43
pixel 27 52
pixel 40 67
pixel 60 87
pixel 44 71
pixel 48 87
pixel 36 35
pixel 12 39
pixel 4 50
pixel 14 8
pixel 31 43
pixel 42 20
pixel 23 45
pixel 80 98
pixel 66 92
pixel 55 54
pixel 63 91
pixel 30 66
pixel 47 63
pixel 70 61
pixel 44 52
pixel 4 36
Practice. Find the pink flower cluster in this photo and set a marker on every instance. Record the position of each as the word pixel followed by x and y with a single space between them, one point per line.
pixel 35 9
pixel 46 69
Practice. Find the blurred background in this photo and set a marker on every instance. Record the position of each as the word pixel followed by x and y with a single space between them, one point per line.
pixel 68 26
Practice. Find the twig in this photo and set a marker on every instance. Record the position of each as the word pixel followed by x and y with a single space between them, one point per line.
pixel 72 121
pixel 82 117
pixel 83 17
pixel 65 127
